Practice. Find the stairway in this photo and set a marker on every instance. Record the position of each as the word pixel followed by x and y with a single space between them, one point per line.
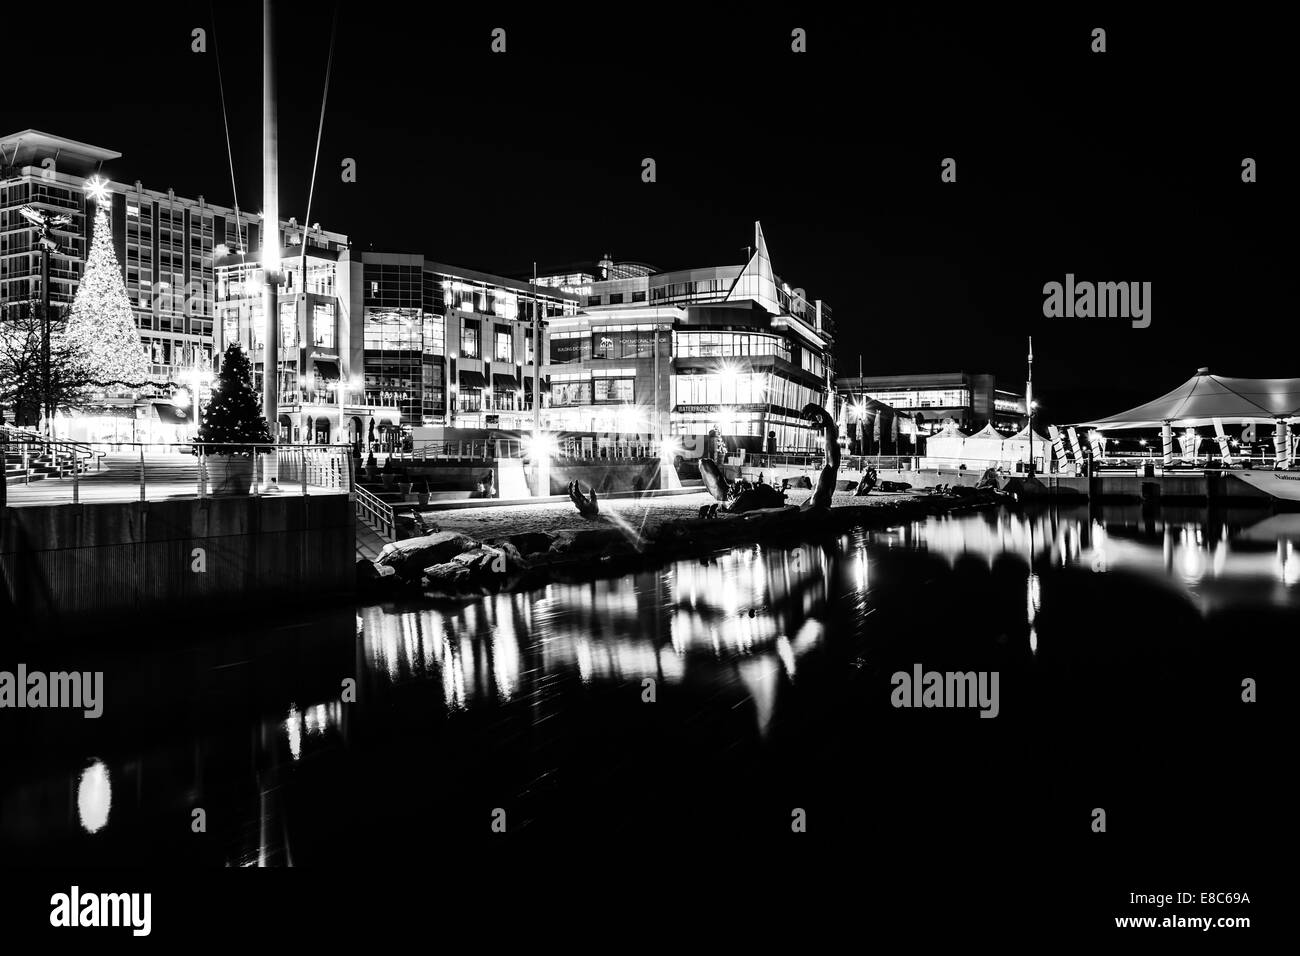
pixel 41 463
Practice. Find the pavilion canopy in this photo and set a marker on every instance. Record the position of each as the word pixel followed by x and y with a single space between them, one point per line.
pixel 986 444
pixel 1203 398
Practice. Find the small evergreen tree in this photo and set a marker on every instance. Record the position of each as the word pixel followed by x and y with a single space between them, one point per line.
pixel 233 414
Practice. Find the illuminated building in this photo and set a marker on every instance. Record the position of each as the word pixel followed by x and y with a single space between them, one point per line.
pixel 452 347
pixel 969 399
pixel 168 246
pixel 415 343
pixel 726 348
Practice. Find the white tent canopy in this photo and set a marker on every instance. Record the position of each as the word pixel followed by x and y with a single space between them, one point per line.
pixel 946 444
pixel 1205 398
pixel 988 444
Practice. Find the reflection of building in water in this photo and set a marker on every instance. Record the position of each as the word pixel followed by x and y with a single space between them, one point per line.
pixel 311 722
pixel 1196 553
pixel 734 605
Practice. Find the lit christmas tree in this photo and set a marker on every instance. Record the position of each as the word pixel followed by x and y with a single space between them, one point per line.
pixel 101 329
pixel 234 413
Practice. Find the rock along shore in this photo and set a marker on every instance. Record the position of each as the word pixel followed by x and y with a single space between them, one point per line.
pixel 483 550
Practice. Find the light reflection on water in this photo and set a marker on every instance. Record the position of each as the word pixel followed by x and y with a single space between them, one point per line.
pixel 739 634
pixel 747 604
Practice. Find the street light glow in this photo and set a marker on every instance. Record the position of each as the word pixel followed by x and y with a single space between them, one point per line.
pixel 540 445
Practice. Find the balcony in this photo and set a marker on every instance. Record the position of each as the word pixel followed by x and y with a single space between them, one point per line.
pixel 329 398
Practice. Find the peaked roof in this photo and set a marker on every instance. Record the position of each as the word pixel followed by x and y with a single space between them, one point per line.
pixel 1205 397
pixel 949 431
pixel 1023 435
pixel 987 433
pixel 757 281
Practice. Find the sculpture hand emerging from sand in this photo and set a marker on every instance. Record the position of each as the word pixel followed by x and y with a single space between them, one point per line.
pixel 587 507
pixel 825 490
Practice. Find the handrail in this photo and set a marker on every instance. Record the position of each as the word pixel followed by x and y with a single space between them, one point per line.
pixel 474 449
pixel 142 470
pixel 373 510
pixel 74 450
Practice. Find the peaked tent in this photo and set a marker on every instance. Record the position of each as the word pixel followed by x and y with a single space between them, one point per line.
pixel 1205 397
pixel 987 444
pixel 945 444
pixel 1018 445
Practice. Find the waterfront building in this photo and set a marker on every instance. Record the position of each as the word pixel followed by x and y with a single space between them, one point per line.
pixel 730 349
pixel 402 342
pixel 453 346
pixel 970 400
pixel 167 245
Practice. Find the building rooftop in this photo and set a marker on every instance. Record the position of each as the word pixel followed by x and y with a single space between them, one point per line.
pixel 30 146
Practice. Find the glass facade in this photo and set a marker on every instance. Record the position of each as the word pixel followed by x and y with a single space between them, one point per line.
pixel 728 344
pixel 924 397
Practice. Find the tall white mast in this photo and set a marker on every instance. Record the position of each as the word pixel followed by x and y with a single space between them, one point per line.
pixel 270 227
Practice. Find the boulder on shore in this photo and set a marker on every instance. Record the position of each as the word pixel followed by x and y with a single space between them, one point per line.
pixel 411 556
pixel 375 578
pixel 532 542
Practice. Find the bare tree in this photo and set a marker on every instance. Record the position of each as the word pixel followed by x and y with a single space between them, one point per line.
pixel 28 381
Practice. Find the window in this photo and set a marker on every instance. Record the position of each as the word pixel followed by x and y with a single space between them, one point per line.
pixel 392 329
pixel 469 340
pixel 593 300
pixel 638 296
pixel 505 346
pixel 616 298
pixel 435 334
pixel 322 325
pixel 613 389
pixel 570 393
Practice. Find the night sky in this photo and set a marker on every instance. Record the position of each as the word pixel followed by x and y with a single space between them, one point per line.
pixel 1123 166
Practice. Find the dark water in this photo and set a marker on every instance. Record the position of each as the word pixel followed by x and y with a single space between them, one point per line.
pixel 1121 640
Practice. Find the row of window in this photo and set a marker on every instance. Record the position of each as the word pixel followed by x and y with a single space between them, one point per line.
pixel 729 344
pixel 601 391
pixel 700 289
pixel 741 389
pixel 923 397
pixel 616 298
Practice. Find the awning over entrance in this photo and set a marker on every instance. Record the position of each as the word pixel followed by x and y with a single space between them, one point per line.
pixel 328 369
pixel 504 383
pixel 170 414
pixel 470 379
pixel 1203 398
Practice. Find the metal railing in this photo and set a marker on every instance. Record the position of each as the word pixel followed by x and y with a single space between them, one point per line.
pixel 577 449
pixel 375 512
pixel 142 471
pixel 479 449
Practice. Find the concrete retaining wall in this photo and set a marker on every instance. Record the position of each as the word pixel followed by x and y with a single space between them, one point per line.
pixel 624 474
pixel 80 565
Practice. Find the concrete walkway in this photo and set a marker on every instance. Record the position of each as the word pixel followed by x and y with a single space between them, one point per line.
pixel 118 479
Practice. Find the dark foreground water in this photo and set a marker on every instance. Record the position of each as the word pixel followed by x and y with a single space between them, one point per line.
pixel 1121 640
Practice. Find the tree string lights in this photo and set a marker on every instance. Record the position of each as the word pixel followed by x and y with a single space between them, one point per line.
pixel 101 328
